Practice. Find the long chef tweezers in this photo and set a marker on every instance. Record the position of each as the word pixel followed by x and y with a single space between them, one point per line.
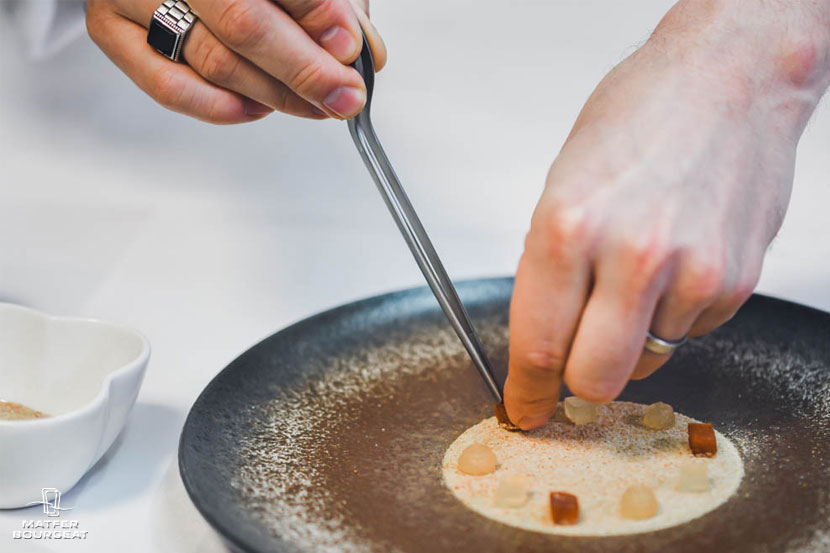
pixel 410 226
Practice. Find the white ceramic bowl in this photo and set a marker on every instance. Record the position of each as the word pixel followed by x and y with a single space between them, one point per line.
pixel 84 374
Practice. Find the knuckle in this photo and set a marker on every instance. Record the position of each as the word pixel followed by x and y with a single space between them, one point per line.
pixel 306 77
pixel 705 280
pixel 165 89
pixel 559 229
pixel 567 223
pixel 311 11
pixel 217 114
pixel 645 257
pixel 743 289
pixel 239 24
pixel 219 64
pixel 538 402
pixel 543 364
pixel 281 101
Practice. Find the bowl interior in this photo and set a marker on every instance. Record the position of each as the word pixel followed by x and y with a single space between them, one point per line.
pixel 55 364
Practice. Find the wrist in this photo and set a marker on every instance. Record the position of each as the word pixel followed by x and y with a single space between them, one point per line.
pixel 767 58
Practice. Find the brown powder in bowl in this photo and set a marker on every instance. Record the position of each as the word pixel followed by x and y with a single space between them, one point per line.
pixel 11 411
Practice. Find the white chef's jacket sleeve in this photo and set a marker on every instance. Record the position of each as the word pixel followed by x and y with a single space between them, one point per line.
pixel 46 26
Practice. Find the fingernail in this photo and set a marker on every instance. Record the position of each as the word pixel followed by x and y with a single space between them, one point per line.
pixel 531 422
pixel 345 101
pixel 339 43
pixel 252 107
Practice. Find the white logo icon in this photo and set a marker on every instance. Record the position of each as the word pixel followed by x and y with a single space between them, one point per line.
pixel 51 502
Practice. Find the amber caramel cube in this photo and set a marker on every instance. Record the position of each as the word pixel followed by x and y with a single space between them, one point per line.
pixel 702 439
pixel 564 508
pixel 504 420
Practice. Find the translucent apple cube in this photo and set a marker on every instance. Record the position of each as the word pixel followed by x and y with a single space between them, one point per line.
pixel 693 476
pixel 477 459
pixel 511 491
pixel 638 503
pixel 659 416
pixel 580 411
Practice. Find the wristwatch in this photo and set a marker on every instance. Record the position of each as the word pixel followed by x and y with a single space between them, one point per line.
pixel 169 27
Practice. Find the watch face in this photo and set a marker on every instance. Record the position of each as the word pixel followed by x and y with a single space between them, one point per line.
pixel 161 38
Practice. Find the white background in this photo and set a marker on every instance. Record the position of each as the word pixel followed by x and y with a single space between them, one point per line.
pixel 207 239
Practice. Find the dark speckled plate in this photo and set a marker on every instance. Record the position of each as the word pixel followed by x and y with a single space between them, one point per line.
pixel 329 435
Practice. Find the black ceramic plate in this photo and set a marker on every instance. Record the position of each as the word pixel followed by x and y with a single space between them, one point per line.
pixel 329 435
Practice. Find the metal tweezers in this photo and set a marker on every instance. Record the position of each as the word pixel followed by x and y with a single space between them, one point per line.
pixel 410 226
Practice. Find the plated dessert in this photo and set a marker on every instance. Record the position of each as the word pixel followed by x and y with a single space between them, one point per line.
pixel 594 470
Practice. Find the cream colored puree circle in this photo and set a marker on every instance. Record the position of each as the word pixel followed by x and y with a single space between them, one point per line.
pixel 596 462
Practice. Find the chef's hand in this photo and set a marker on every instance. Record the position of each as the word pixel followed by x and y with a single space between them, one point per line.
pixel 661 204
pixel 245 58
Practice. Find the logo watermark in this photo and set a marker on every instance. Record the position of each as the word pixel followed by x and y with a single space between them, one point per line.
pixel 51 502
pixel 50 529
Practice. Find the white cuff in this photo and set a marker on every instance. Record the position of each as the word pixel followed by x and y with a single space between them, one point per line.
pixel 49 25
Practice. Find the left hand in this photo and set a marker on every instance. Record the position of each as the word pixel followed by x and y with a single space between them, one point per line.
pixel 246 58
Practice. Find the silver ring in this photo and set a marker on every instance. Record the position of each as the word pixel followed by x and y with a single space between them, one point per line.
pixel 168 28
pixel 658 345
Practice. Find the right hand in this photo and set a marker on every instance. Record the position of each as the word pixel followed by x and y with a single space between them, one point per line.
pixel 245 58
pixel 661 204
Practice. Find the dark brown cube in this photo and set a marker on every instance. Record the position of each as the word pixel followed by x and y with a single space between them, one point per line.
pixel 564 508
pixel 702 439
pixel 504 420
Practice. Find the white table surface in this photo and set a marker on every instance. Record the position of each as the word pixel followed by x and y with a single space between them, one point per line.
pixel 208 239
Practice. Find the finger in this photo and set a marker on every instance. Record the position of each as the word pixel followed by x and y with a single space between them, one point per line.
pixel 739 291
pixel 613 326
pixel 714 317
pixel 173 85
pixel 220 65
pixel 672 320
pixel 550 289
pixel 376 43
pixel 267 36
pixel 332 23
pixel 722 310
pixel 698 283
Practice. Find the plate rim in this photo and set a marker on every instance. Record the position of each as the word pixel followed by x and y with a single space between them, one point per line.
pixel 237 540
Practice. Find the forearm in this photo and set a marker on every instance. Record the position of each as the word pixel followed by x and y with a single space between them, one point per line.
pixel 770 57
